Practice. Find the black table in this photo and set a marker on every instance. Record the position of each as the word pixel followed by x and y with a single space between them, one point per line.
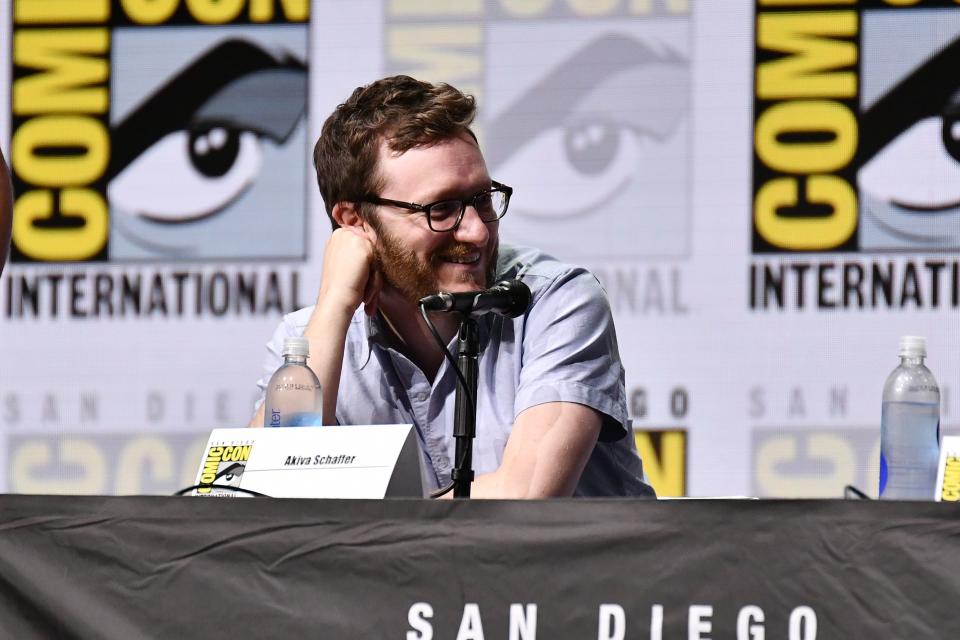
pixel 157 567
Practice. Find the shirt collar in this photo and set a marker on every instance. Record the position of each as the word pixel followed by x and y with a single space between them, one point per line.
pixel 376 334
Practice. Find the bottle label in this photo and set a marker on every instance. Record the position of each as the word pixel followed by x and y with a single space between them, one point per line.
pixel 275 418
pixel 304 419
pixel 295 386
pixel 883 473
pixel 924 387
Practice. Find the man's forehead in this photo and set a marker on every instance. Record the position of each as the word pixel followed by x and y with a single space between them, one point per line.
pixel 391 162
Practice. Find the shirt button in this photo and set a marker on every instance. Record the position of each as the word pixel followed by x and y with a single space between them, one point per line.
pixel 422 397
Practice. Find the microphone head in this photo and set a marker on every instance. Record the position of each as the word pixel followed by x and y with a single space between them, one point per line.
pixel 437 302
pixel 519 296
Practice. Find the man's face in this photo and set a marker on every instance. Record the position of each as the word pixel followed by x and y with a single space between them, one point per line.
pixel 413 259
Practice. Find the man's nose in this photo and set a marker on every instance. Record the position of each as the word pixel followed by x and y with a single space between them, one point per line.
pixel 472 228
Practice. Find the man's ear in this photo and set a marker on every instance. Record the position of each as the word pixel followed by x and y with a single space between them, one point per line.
pixel 347 214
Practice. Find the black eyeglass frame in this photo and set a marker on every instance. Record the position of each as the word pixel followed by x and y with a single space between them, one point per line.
pixel 464 203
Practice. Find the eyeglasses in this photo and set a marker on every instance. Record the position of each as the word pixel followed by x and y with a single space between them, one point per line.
pixel 446 215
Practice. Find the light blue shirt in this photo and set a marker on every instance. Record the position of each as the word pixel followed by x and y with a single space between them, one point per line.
pixel 564 349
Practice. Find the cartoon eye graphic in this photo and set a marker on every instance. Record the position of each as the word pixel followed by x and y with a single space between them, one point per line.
pixel 591 149
pixel 232 473
pixel 188 174
pixel 582 166
pixel 950 132
pixel 195 145
pixel 916 171
pixel 910 154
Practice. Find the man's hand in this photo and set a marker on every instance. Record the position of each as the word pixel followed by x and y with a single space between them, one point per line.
pixel 350 276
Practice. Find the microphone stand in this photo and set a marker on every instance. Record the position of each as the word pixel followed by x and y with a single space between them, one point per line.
pixel 465 415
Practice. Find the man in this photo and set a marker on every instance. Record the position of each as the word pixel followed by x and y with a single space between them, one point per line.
pixel 551 413
pixel 6 211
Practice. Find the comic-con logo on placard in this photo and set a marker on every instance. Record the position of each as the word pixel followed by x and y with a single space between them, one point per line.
pixel 856 151
pixel 159 130
pixel 222 469
pixel 589 120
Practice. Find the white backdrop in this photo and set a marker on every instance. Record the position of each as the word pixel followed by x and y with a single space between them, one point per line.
pixel 627 128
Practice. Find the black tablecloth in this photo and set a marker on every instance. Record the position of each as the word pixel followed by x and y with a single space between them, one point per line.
pixel 138 567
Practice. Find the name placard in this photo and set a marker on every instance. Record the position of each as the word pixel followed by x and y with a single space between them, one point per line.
pixel 360 461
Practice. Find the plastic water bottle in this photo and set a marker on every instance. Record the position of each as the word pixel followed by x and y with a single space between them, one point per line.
pixel 910 427
pixel 293 394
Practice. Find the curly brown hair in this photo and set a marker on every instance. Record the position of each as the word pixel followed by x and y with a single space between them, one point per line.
pixel 407 113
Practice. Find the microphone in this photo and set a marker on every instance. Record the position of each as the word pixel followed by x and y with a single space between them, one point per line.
pixel 508 298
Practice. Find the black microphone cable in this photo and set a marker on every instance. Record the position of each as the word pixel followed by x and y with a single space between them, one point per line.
pixel 461 382
pixel 230 470
pixel 186 490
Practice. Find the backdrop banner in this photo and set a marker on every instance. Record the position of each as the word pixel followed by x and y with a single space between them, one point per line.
pixel 140 567
pixel 768 191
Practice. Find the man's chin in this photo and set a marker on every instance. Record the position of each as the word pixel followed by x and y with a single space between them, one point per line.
pixel 456 277
pixel 459 279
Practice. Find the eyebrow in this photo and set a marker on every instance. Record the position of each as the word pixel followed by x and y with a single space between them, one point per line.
pixel 926 92
pixel 216 89
pixel 624 60
pixel 435 198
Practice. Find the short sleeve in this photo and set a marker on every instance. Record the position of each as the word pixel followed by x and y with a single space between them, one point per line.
pixel 570 351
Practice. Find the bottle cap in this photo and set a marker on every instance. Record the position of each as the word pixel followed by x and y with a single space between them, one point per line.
pixel 296 346
pixel 913 346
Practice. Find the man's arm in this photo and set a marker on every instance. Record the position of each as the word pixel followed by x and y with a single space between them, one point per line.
pixel 570 389
pixel 545 454
pixel 349 279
